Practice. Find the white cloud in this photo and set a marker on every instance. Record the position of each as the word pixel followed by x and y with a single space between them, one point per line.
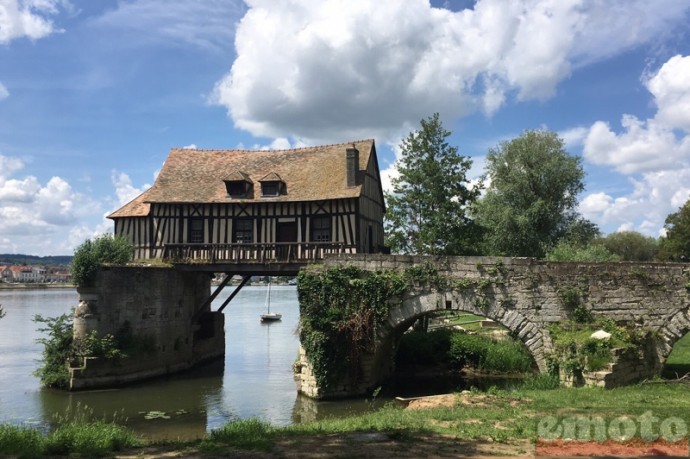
pixel 655 153
pixel 34 216
pixel 671 90
pixel 4 93
pixel 125 191
pixel 190 147
pixel 207 24
pixel 330 70
pixel 28 18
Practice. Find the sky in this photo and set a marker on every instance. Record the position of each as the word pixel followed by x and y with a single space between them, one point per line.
pixel 93 94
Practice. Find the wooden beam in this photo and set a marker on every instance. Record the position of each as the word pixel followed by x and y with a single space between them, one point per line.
pixel 213 296
pixel 245 279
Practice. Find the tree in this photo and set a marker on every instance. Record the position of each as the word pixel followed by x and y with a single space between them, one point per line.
pixel 677 240
pixel 631 246
pixel 427 210
pixel 531 200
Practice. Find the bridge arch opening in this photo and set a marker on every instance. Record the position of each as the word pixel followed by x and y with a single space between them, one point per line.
pixel 434 305
pixel 675 348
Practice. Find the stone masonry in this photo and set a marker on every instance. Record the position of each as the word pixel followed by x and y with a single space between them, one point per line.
pixel 155 306
pixel 525 295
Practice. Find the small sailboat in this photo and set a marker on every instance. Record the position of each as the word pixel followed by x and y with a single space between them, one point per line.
pixel 270 316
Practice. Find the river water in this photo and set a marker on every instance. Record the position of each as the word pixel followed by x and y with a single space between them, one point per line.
pixel 254 380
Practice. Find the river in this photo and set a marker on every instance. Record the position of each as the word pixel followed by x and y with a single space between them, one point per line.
pixel 254 380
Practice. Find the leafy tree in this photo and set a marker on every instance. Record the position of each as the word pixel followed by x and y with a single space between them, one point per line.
pixel 677 240
pixel 592 252
pixel 631 246
pixel 530 203
pixel 89 256
pixel 427 210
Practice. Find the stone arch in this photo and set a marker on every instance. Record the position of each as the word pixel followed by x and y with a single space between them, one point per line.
pixel 401 317
pixel 673 329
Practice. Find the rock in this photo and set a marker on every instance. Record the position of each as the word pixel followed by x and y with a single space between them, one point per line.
pixel 601 335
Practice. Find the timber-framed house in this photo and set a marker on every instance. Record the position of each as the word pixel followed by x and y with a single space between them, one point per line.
pixel 218 206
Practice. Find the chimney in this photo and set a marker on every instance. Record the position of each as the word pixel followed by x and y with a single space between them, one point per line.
pixel 352 163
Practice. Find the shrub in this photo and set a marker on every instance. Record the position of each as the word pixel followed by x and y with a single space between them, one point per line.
pixel 57 349
pixel 90 255
pixel 566 251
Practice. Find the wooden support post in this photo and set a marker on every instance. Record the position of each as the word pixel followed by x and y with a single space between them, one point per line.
pixel 212 297
pixel 245 279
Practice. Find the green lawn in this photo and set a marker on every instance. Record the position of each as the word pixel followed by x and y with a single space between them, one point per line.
pixel 678 363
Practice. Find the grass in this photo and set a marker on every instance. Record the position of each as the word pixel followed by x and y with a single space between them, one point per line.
pixel 498 415
pixel 678 363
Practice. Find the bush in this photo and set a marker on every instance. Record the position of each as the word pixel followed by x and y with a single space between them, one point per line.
pixel 57 350
pixel 486 354
pixel 566 251
pixel 90 255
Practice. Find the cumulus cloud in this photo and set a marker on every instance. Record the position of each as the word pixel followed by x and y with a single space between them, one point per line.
pixel 654 152
pixel 28 18
pixel 207 24
pixel 4 93
pixel 125 190
pixel 333 70
pixel 34 215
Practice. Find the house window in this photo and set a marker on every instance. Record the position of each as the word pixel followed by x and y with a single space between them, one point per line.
pixel 269 189
pixel 196 230
pixel 321 229
pixel 236 189
pixel 244 231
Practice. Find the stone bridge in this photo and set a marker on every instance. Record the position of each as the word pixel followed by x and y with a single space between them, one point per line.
pixel 526 295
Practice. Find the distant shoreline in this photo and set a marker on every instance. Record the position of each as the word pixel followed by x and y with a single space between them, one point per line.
pixel 37 286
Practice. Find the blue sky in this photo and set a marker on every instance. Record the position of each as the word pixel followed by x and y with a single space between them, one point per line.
pixel 93 94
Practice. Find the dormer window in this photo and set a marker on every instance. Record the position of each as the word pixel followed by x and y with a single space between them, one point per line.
pixel 238 185
pixel 272 185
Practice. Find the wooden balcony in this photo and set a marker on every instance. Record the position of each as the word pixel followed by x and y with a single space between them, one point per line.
pixel 277 258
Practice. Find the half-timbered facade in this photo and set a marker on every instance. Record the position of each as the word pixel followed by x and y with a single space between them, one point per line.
pixel 230 205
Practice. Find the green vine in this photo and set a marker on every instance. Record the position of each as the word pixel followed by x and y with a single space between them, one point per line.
pixel 340 311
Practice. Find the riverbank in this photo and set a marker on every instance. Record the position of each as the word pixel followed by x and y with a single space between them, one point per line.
pixel 33 286
pixel 470 424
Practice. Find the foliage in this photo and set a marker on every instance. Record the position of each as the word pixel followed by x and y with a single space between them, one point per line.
pixel 486 354
pixel 677 240
pixel 427 210
pixel 541 381
pixel 242 433
pixel 57 350
pixel 631 246
pixel 20 441
pixel 90 439
pixel 90 255
pixel 96 346
pixel 423 348
pixel 340 310
pixel 593 252
pixel 531 201
pixel 575 350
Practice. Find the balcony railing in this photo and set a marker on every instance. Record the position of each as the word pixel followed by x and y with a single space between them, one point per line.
pixel 284 252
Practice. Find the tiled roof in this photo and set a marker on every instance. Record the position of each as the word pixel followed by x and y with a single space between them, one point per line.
pixel 272 177
pixel 197 176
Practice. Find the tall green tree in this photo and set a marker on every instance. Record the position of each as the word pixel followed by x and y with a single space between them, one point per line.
pixel 677 240
pixel 631 246
pixel 427 210
pixel 531 201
